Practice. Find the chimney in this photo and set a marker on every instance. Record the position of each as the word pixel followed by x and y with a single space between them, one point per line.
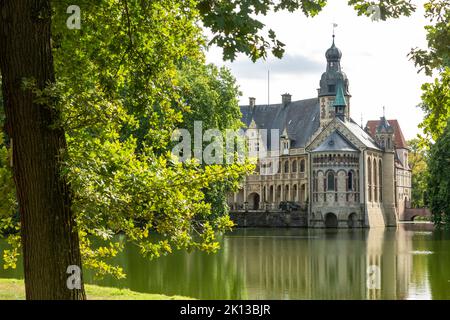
pixel 252 101
pixel 286 99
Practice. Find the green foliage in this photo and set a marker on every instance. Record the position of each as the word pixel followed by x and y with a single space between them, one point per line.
pixel 436 95
pixel 388 8
pixel 117 84
pixel 211 95
pixel 120 111
pixel 236 27
pixel 8 203
pixel 418 164
pixel 439 178
pixel 11 255
pixel 436 105
pixel 437 56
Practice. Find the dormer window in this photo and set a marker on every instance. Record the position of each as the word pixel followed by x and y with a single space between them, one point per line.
pixel 285 146
pixel 331 88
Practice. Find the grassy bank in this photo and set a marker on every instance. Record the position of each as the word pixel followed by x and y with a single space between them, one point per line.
pixel 13 289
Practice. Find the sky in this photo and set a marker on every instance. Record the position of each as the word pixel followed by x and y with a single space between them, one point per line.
pixel 374 57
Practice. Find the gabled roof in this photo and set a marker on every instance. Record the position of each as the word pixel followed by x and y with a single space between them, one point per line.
pixel 335 142
pixel 399 139
pixel 360 134
pixel 354 130
pixel 299 118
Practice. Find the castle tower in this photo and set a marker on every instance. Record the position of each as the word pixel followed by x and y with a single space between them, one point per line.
pixel 329 84
pixel 385 138
pixel 384 135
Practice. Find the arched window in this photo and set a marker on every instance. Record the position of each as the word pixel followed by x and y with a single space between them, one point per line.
pixel 315 186
pixel 286 167
pixel 380 179
pixel 350 181
pixel 330 181
pixel 369 172
pixel 294 166
pixel 302 165
pixel 375 178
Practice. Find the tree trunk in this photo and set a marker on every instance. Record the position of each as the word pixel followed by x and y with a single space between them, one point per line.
pixel 49 239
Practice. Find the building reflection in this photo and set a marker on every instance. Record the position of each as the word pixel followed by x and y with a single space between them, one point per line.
pixel 295 264
pixel 322 264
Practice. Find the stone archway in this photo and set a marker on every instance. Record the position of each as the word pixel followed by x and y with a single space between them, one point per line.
pixel 253 201
pixel 331 220
pixel 352 220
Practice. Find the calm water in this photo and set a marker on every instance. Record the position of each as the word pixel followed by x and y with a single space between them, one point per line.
pixel 413 261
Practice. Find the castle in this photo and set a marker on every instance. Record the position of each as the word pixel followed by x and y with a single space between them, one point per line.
pixel 340 174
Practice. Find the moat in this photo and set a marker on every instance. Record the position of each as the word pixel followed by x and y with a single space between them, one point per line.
pixel 413 262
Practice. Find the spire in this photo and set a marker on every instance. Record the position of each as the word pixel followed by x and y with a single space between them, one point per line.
pixel 334 73
pixel 333 54
pixel 384 126
pixel 339 102
pixel 340 99
pixel 385 133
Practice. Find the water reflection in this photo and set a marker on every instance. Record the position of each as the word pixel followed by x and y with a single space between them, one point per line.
pixel 413 263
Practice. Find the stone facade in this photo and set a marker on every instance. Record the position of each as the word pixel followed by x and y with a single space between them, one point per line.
pixel 324 164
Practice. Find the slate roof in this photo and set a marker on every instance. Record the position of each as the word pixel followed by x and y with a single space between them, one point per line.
pixel 335 142
pixel 361 134
pixel 299 118
pixel 399 139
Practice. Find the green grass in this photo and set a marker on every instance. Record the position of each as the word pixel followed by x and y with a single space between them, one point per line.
pixel 14 289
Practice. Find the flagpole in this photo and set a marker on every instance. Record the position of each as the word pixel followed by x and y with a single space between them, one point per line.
pixel 268 87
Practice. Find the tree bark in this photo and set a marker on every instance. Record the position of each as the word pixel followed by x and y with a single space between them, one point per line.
pixel 49 239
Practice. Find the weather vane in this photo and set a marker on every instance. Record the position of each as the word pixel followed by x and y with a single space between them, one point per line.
pixel 334 27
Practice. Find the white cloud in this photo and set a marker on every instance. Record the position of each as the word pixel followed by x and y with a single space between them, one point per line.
pixel 374 59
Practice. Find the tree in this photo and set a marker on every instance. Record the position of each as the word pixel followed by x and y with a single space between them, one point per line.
pixel 236 27
pixel 439 179
pixel 436 105
pixel 436 95
pixel 437 57
pixel 49 240
pixel 418 164
pixel 212 96
pixel 73 102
